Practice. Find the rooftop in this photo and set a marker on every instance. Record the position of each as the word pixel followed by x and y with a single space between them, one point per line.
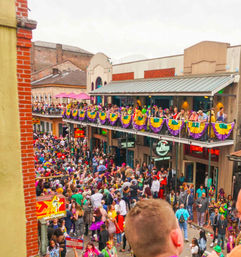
pixel 76 77
pixel 64 47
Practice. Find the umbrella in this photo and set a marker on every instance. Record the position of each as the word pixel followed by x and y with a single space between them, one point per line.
pixel 83 96
pixel 61 95
pixel 101 168
pixel 71 95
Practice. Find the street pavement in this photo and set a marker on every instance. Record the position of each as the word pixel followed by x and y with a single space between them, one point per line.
pixel 192 232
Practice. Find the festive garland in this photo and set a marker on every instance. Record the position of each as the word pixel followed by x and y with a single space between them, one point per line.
pixel 126 120
pixel 74 114
pixel 102 117
pixel 222 130
pixel 63 113
pixel 156 124
pixel 139 122
pixel 113 117
pixel 196 129
pixel 174 126
pixel 92 116
pixel 82 115
pixel 68 113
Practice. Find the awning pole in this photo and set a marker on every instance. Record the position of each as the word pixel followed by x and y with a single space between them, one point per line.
pixel 150 152
pixel 209 139
pixel 127 148
pixel 176 166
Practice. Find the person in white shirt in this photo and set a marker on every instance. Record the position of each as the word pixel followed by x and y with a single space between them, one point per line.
pixel 155 187
pixel 96 199
pixel 121 206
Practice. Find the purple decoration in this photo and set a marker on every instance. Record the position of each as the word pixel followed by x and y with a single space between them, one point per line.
pixel 96 225
pixel 63 113
pixel 220 136
pixel 92 120
pixel 102 121
pixel 197 135
pixel 113 122
pixel 174 132
pixel 154 129
pixel 126 125
pixel 82 118
pixel 139 127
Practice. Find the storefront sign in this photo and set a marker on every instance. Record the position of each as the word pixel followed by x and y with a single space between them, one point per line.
pixel 123 143
pixel 79 133
pixel 199 149
pixel 50 207
pixel 74 243
pixel 162 148
pixel 162 158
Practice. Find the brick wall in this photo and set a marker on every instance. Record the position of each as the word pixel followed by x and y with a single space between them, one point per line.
pixel 24 36
pixel 161 73
pixel 123 76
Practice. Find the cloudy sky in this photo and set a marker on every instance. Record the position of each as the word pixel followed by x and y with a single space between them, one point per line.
pixel 150 28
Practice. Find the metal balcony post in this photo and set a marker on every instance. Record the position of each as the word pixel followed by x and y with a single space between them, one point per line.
pixel 209 138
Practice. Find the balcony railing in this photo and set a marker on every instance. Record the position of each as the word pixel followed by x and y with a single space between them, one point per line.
pixel 202 131
pixel 48 111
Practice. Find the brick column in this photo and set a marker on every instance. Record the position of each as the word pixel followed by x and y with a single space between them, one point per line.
pixel 24 36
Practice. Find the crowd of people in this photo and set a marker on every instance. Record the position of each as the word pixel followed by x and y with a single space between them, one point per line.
pixel 99 195
pixel 47 108
pixel 139 110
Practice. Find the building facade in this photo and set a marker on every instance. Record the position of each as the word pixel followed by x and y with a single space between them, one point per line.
pixel 202 61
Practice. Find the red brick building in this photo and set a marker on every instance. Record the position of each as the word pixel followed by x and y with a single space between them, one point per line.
pixel 24 36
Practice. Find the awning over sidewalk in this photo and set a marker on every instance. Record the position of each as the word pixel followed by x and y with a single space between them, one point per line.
pixel 193 86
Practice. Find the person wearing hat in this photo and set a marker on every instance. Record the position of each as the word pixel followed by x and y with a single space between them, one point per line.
pixel 218 251
pixel 110 250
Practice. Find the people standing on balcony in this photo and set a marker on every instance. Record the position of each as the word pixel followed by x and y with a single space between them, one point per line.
pixel 221 116
pixel 202 117
pixel 175 113
pixel 193 116
pixel 181 115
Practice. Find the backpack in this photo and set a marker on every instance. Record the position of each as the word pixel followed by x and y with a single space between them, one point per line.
pixel 181 219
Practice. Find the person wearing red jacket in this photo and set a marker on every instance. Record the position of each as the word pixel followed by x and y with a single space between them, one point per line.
pixel 119 223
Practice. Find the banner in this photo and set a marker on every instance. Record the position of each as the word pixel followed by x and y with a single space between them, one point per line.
pixel 102 117
pixel 74 243
pixel 126 120
pixel 156 124
pixel 174 126
pixel 63 113
pixel 79 133
pixel 50 207
pixel 139 122
pixel 92 116
pixel 196 129
pixel 68 112
pixel 113 118
pixel 81 115
pixel 222 130
pixel 74 114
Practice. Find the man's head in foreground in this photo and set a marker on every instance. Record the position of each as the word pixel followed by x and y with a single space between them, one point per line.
pixel 152 230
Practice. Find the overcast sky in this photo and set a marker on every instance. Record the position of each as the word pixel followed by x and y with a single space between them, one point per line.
pixel 150 28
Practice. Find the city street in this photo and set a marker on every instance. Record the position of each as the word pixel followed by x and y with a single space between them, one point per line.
pixel 192 232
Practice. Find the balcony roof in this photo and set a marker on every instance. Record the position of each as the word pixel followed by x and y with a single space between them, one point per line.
pixel 207 85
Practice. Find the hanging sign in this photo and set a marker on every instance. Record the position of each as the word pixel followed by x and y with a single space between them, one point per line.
pixel 130 143
pixel 50 207
pixel 162 148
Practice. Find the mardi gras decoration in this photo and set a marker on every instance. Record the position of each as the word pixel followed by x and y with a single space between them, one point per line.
pixel 82 115
pixel 102 117
pixel 156 124
pixel 113 118
pixel 63 113
pixel 92 115
pixel 68 112
pixel 126 120
pixel 139 122
pixel 222 131
pixel 74 114
pixel 196 129
pixel 174 126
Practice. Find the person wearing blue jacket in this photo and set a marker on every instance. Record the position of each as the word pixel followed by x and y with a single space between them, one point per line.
pixel 182 217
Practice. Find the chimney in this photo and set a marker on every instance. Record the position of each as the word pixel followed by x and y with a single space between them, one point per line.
pixel 59 53
pixel 55 71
